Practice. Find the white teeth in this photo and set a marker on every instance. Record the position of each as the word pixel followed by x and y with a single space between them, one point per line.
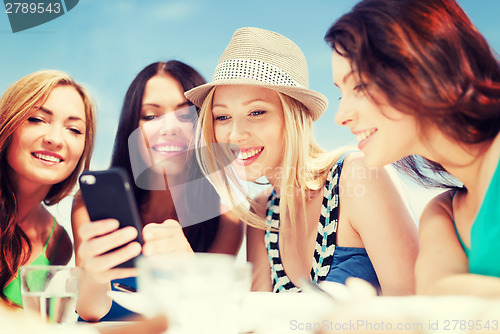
pixel 46 157
pixel 365 134
pixel 169 148
pixel 249 154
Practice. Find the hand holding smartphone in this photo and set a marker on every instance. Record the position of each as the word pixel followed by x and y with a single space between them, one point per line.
pixel 108 194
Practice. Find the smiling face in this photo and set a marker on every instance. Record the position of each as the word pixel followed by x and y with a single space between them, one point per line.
pixel 46 148
pixel 167 125
pixel 250 118
pixel 385 134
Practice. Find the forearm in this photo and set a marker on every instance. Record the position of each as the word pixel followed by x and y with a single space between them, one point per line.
pixel 463 284
pixel 93 300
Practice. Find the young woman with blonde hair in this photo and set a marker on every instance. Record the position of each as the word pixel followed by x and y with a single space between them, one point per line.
pixel 325 216
pixel 46 140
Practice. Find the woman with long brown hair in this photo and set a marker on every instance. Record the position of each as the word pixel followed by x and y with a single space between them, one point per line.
pixel 420 85
pixel 46 140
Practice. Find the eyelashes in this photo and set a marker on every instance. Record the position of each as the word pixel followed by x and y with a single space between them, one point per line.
pixel 37 120
pixel 358 88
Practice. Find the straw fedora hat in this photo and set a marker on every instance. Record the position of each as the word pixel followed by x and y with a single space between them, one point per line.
pixel 263 58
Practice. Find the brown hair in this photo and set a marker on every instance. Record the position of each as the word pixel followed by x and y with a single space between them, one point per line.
pixel 429 61
pixel 17 104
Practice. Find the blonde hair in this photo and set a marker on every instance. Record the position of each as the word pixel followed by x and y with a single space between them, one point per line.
pixel 305 165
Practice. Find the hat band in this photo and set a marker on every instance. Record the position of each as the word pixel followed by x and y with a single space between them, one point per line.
pixel 253 69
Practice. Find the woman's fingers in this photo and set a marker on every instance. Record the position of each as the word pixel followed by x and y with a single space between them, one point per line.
pixel 157 231
pixel 165 238
pixel 102 244
pixel 101 227
pixel 110 260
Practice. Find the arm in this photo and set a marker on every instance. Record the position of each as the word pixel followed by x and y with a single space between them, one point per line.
pixel 230 234
pixel 92 240
pixel 371 203
pixel 256 248
pixel 156 325
pixel 442 266
pixel 257 255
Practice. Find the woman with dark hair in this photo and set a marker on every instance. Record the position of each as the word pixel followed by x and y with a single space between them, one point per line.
pixel 421 86
pixel 46 140
pixel 154 144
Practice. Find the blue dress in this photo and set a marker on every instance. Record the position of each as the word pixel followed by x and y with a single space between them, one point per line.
pixel 330 262
pixel 117 312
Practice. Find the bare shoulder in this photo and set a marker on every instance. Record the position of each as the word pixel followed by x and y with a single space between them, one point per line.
pixel 441 253
pixel 438 209
pixel 436 223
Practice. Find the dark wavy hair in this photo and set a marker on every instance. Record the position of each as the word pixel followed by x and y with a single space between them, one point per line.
pixel 200 236
pixel 429 61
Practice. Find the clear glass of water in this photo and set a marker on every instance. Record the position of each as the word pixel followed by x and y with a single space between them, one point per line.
pixel 50 292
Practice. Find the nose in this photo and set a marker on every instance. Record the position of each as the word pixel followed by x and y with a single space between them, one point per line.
pixel 169 125
pixel 238 131
pixel 54 136
pixel 345 115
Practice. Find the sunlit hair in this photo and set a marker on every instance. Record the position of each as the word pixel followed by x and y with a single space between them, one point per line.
pixel 428 61
pixel 19 102
pixel 304 167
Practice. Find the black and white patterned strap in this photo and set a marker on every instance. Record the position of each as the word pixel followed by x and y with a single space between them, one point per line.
pixel 325 241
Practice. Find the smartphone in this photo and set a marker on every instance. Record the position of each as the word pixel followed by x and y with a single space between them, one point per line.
pixel 108 194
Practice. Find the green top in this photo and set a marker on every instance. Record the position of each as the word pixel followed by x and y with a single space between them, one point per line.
pixel 13 289
pixel 484 255
pixel 465 248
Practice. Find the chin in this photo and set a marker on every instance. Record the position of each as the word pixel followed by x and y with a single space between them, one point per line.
pixel 243 175
pixel 48 180
pixel 168 168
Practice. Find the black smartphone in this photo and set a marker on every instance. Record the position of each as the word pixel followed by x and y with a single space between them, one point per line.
pixel 108 194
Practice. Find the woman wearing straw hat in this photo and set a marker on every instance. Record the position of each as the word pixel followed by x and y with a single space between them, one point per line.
pixel 325 216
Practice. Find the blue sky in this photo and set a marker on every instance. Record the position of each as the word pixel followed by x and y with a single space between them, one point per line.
pixel 103 44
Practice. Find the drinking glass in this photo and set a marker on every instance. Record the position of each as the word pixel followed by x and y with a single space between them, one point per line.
pixel 200 293
pixel 50 292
